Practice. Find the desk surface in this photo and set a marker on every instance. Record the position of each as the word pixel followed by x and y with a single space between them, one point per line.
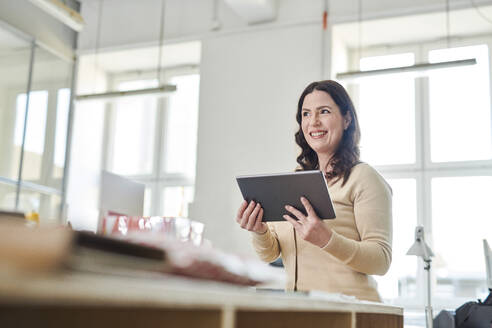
pixel 233 306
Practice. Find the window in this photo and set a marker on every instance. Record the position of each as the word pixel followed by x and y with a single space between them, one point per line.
pixel 401 278
pixel 460 220
pixel 431 137
pixel 460 107
pixel 134 131
pixel 153 141
pixel 182 118
pixel 176 200
pixel 389 105
pixel 35 134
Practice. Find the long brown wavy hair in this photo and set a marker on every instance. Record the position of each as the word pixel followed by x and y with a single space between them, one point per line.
pixel 348 153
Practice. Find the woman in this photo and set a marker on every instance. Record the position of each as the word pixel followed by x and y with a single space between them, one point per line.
pixel 337 255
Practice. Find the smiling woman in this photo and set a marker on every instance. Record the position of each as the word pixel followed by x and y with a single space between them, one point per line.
pixel 339 146
pixel 338 255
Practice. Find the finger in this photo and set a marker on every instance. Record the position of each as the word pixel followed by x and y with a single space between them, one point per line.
pixel 295 223
pixel 259 220
pixel 246 214
pixel 252 217
pixel 298 214
pixel 248 209
pixel 309 208
pixel 241 209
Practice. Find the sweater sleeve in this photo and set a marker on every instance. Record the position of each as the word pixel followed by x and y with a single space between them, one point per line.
pixel 266 245
pixel 373 219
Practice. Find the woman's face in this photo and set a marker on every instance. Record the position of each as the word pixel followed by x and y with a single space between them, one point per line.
pixel 322 123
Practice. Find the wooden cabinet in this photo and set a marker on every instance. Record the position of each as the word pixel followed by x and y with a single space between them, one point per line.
pixel 94 300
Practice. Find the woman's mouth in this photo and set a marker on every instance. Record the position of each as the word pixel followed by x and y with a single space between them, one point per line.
pixel 317 134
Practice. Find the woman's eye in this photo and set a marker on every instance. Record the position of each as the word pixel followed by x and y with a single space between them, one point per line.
pixel 325 111
pixel 305 113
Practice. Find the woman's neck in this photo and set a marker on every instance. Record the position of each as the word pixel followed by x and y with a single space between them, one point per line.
pixel 323 160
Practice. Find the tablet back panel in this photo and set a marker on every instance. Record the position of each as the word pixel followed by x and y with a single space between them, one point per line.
pixel 277 190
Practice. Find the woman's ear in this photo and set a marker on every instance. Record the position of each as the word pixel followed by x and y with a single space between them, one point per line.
pixel 347 119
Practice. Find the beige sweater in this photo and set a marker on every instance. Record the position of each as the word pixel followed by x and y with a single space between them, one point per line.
pixel 360 244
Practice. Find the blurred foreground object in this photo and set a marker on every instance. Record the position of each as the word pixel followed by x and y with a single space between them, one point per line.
pixel 32 217
pixel 9 215
pixel 176 228
pixel 50 249
pixel 189 254
pixel 102 301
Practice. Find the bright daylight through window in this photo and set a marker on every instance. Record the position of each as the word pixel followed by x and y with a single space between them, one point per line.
pixel 153 141
pixel 431 138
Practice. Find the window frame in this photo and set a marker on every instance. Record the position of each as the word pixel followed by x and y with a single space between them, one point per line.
pixel 424 170
pixel 157 180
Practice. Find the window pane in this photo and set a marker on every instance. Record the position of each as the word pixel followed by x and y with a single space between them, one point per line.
pixel 460 220
pixel 134 129
pixel 400 281
pixel 62 107
pixel 460 106
pixel 181 129
pixel 35 134
pixel 387 112
pixel 176 200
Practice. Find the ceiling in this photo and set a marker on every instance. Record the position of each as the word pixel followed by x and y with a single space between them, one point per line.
pixel 415 28
pixel 10 41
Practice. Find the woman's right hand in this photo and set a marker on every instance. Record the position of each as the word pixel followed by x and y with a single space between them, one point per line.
pixel 249 217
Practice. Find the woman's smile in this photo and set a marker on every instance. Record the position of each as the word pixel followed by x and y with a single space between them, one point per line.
pixel 318 134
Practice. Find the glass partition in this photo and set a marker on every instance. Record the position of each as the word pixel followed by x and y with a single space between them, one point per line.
pixel 15 54
pixel 35 89
pixel 47 120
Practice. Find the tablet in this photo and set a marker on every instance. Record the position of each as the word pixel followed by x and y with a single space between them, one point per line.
pixel 274 191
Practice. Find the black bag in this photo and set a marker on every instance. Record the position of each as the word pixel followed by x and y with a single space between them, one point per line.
pixel 475 314
pixel 445 319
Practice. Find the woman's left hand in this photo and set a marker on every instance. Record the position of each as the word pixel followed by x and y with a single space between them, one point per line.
pixel 309 227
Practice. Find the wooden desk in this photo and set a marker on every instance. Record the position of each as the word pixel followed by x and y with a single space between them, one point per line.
pixel 90 300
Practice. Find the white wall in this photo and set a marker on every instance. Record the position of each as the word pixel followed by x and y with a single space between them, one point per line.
pixel 250 84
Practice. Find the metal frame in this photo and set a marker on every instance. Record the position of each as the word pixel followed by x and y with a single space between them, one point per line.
pixel 417 68
pixel 28 92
